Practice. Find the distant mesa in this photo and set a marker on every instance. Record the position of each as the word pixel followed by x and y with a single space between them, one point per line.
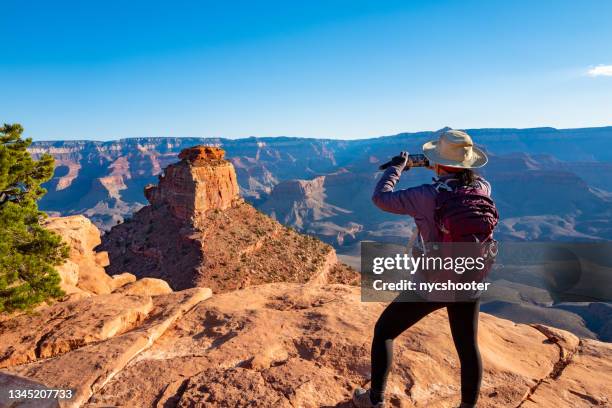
pixel 105 180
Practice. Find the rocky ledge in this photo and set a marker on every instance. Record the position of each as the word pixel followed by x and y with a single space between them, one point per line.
pixel 81 341
pixel 294 345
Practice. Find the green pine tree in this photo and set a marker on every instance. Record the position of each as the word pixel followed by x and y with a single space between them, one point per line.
pixel 28 252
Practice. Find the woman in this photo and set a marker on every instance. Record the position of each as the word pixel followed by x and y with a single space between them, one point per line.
pixel 452 157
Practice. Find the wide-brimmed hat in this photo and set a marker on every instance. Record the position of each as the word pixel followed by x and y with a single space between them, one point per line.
pixel 455 148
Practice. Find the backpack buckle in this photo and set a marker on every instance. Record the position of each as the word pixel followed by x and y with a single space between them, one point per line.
pixel 491 250
pixel 442 184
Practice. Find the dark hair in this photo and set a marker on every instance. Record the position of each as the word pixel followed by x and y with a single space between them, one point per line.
pixel 467 177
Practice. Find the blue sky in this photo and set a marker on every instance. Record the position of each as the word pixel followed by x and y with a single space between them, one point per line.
pixel 340 69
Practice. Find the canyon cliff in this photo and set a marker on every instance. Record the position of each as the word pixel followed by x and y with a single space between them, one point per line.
pixel 105 180
pixel 549 184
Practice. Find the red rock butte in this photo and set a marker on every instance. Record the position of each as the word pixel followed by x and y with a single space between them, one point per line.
pixel 202 153
pixel 203 180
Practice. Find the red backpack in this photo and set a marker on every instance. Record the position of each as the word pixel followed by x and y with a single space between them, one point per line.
pixel 465 214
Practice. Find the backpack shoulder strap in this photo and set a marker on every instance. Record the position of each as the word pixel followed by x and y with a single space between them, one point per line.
pixel 442 185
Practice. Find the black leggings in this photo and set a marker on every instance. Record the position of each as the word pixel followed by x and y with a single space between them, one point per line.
pixel 399 316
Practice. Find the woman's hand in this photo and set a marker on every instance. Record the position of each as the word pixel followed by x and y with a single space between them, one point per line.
pixel 400 160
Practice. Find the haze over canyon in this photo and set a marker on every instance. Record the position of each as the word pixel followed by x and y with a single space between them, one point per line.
pixel 549 184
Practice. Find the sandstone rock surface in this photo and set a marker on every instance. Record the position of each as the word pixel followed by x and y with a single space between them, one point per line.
pixel 292 345
pixel 15 383
pixel 122 279
pixel 84 270
pixel 298 345
pixel 89 366
pixel 202 154
pixel 201 181
pixel 584 381
pixel 65 326
pixel 146 286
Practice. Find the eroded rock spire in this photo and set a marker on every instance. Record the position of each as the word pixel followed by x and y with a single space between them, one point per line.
pixel 203 180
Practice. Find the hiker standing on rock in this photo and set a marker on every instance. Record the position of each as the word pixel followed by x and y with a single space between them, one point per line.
pixel 464 194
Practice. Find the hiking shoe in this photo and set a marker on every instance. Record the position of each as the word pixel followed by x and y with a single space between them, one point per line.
pixel 361 399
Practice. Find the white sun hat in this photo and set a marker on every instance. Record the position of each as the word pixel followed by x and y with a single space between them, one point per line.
pixel 455 148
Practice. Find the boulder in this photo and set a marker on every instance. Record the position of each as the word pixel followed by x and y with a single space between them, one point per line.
pixel 85 267
pixel 146 286
pixel 122 279
pixel 69 272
